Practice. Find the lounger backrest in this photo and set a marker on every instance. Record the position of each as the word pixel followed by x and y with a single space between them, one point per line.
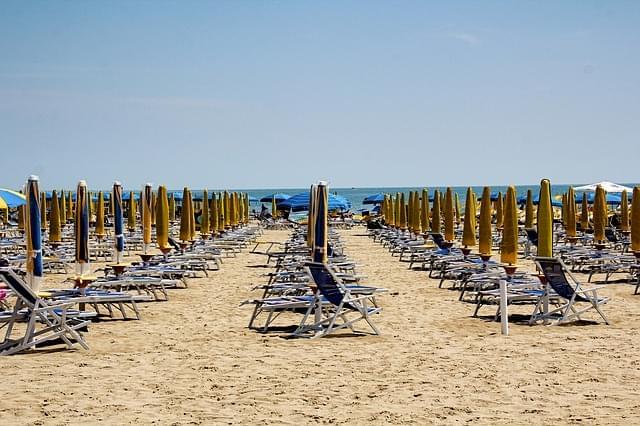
pixel 554 272
pixel 18 286
pixel 326 283
pixel 438 239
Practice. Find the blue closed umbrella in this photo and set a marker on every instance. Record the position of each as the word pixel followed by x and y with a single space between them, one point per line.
pixel 33 235
pixel 374 199
pixel 117 221
pixel 320 225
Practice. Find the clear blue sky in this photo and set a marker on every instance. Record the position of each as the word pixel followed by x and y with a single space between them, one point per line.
pixel 248 94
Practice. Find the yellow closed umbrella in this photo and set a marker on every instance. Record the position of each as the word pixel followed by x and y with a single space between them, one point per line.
pixel 213 213
pixel 162 220
pixel 233 211
pixel 624 212
pixel 635 221
pixel 469 226
pixel 185 232
pixel 484 245
pixel 391 218
pixel 509 244
pixel 63 209
pixel 131 214
pixel 417 213
pixel 563 211
pixel 528 215
pixel 499 211
pixel 172 208
pixel 396 210
pixel 145 214
pixel 545 220
pixel 599 216
pixel 70 209
pixel 21 217
pixel 225 203
pixel 449 232
pixel 584 213
pixel 221 220
pixel 204 217
pixel 54 230
pixel 43 211
pixel 153 208
pixel 403 213
pixel 456 204
pixel 435 213
pixel 571 214
pixel 192 218
pixel 100 216
pixel 424 211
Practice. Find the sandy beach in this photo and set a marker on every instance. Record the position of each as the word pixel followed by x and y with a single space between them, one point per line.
pixel 193 361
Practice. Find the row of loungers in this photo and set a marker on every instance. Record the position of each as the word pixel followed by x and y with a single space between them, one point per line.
pixel 63 315
pixel 478 280
pixel 308 299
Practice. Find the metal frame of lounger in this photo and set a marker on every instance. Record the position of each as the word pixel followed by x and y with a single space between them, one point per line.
pixel 564 284
pixel 54 316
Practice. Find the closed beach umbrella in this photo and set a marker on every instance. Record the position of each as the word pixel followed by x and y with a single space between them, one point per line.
pixel 484 245
pixel 313 193
pixel 233 219
pixel 624 212
pixel 456 204
pixel 70 209
pixel 227 216
pixel 424 211
pixel 469 227
pixel 220 213
pixel 571 213
pixel 55 235
pixel 118 219
pixel 246 208
pixel 635 220
pixel 213 214
pixel 449 234
pixel 43 212
pixel 162 219
pixel 499 211
pixel 274 207
pixel 599 215
pixel 435 215
pixel 100 216
pixel 145 213
pixel 584 213
pixel 403 212
pixel 82 229
pixel 545 220
pixel 172 208
pixel 131 216
pixel 320 224
pixel 185 233
pixel 192 217
pixel 528 215
pixel 204 217
pixel 396 211
pixel 509 244
pixel 390 218
pixel 63 209
pixel 153 208
pixel 21 210
pixel 33 234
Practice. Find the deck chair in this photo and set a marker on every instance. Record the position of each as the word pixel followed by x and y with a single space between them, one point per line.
pixel 56 320
pixel 561 281
pixel 336 306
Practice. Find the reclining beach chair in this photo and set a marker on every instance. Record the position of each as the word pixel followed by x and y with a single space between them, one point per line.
pixel 336 306
pixel 561 281
pixel 57 320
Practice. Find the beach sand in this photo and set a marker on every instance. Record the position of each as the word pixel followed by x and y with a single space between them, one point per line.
pixel 192 360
